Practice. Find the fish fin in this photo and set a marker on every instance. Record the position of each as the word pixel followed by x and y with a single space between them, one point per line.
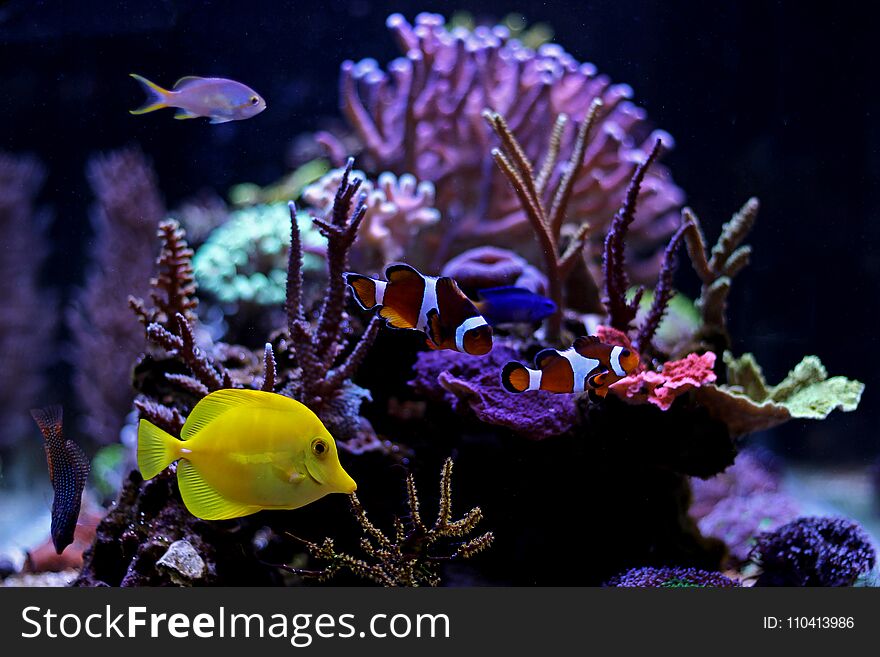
pixel 219 402
pixel 157 97
pixel 185 114
pixel 157 449
pixel 515 377
pixel 394 319
pixel 504 290
pixel 363 289
pixel 585 341
pixel 594 396
pixel 598 380
pixel 434 330
pixel 430 344
pixel 185 80
pixel 401 271
pixel 221 119
pixel 545 356
pixel 203 501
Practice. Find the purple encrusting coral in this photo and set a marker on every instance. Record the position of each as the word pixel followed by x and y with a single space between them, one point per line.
pixel 26 315
pixel 472 382
pixel 106 342
pixel 671 578
pixel 423 116
pixel 814 551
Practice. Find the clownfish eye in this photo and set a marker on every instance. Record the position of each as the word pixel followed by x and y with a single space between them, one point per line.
pixel 624 353
pixel 319 447
pixel 254 100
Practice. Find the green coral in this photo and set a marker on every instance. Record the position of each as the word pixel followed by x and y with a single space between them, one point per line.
pixel 245 259
pixel 806 392
pixel 747 403
pixel 289 187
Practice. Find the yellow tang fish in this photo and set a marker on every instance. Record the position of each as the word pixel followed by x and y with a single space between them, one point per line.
pixel 242 451
pixel 219 99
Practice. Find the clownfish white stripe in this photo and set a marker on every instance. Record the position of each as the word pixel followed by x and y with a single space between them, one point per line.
pixel 429 302
pixel 580 367
pixel 380 291
pixel 615 362
pixel 464 327
pixel 534 379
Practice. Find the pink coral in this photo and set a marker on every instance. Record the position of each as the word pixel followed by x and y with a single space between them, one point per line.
pixel 661 388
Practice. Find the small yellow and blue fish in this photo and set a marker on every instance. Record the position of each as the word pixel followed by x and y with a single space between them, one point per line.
pixel 219 99
pixel 513 305
pixel 242 451
pixel 68 470
pixel 589 365
pixel 408 299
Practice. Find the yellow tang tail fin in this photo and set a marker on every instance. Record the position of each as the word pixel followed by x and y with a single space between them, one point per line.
pixel 157 449
pixel 157 97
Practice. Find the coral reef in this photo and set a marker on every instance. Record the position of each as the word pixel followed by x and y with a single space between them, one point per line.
pixel 413 555
pixel 106 342
pixel 488 266
pixel 422 116
pixel 26 317
pixel 746 403
pixel 397 209
pixel 814 552
pixel 471 384
pixel 245 260
pixel 671 578
pixel 662 388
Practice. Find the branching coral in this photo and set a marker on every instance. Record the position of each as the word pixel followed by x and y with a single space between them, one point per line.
pixel 422 117
pixel 747 403
pixel 716 270
pixel 397 209
pixel 107 342
pixel 26 317
pixel 547 217
pixel 413 554
pixel 814 552
pixel 671 578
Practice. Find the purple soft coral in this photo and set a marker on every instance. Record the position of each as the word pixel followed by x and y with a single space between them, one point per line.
pixel 423 116
pixel 671 578
pixel 469 382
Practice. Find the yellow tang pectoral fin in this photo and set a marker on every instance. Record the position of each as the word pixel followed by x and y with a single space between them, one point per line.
pixel 205 502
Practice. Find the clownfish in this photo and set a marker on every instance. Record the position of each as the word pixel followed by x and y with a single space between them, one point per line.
pixel 589 365
pixel 436 306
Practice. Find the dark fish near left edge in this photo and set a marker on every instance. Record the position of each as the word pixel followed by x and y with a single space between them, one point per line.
pixel 68 470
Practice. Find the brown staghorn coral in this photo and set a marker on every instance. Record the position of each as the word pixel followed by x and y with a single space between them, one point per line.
pixel 106 341
pixel 716 270
pixel 422 115
pixel 26 317
pixel 545 206
pixel 412 556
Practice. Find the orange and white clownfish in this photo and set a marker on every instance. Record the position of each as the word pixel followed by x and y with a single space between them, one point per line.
pixel 436 306
pixel 587 366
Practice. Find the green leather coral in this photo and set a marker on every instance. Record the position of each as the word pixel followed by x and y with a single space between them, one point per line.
pixel 245 259
pixel 747 403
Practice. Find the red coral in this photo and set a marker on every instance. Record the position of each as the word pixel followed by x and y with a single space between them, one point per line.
pixel 661 388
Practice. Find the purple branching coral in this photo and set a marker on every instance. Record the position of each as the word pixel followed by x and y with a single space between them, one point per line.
pixel 471 384
pixel 671 578
pixel 423 116
pixel 106 341
pixel 814 551
pixel 306 365
pixel 26 318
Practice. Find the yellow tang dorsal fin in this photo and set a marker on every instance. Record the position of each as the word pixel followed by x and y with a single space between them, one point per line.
pixel 185 80
pixel 217 403
pixel 205 502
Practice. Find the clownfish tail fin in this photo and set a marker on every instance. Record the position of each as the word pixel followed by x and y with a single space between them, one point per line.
pixel 368 292
pixel 515 377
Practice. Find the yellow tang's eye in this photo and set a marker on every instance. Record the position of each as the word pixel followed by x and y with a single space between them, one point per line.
pixel 320 447
pixel 254 100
